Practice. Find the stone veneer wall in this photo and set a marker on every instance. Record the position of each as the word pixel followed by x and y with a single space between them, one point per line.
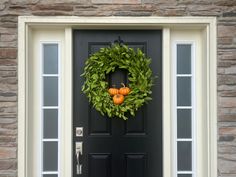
pixel 224 10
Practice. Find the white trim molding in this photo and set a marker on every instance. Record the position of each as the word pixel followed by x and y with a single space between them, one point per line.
pixel 27 24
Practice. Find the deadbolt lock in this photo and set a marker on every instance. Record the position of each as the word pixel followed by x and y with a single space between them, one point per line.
pixel 79 132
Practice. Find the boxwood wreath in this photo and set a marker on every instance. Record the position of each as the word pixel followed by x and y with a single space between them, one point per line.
pixel 106 61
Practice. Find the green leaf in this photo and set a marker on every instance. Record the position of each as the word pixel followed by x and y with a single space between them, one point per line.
pixel 95 76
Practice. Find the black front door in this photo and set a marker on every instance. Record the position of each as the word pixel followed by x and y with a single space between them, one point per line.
pixel 113 147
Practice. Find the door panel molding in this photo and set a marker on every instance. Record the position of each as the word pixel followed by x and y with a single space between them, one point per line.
pixel 28 23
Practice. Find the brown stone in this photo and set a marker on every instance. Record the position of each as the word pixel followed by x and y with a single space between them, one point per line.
pixel 4 1
pixel 51 13
pixel 224 2
pixel 94 13
pixel 220 70
pixel 225 40
pixel 15 12
pixel 7 152
pixel 24 1
pixel 202 10
pixel 226 31
pixel 9 174
pixel 226 63
pixel 102 1
pixel 9 66
pixel 65 1
pixel 234 40
pixel 226 163
pixel 226 87
pixel 7 131
pixel 7 62
pixel 8 87
pixel 8 44
pixel 125 1
pixel 229 14
pixel 8 31
pixel 227 117
pixel 228 138
pixel 8 140
pixel 226 79
pixel 227 54
pixel 18 7
pixel 8 37
pixel 116 1
pixel 227 102
pixel 128 7
pixel 8 80
pixel 227 175
pixel 2 7
pixel 227 131
pixel 8 52
pixel 226 147
pixel 197 2
pixel 7 164
pixel 8 96
pixel 53 7
pixel 226 111
pixel 7 74
pixel 9 18
pixel 132 13
pixel 158 1
pixel 170 10
pixel 8 104
pixel 8 115
pixel 228 94
pixel 8 25
pixel 229 70
pixel 79 8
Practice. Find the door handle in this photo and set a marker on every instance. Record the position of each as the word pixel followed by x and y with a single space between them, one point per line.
pixel 79 152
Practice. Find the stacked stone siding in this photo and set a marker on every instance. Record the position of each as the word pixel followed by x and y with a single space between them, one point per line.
pixel 224 10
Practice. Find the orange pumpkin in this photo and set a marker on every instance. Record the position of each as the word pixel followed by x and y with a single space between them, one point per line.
pixel 113 91
pixel 124 90
pixel 118 99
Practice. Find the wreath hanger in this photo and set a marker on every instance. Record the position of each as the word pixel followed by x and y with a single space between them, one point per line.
pixel 118 41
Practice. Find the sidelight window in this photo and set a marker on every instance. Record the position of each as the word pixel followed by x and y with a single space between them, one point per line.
pixel 50 110
pixel 184 109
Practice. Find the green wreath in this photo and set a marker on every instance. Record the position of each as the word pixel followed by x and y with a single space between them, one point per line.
pixel 105 61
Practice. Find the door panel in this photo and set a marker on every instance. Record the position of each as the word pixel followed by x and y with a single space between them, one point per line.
pixel 100 164
pixel 136 165
pixel 97 125
pixel 113 147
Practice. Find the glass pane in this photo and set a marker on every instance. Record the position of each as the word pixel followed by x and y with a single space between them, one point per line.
pixel 50 156
pixel 184 123
pixel 184 91
pixel 184 58
pixel 184 155
pixel 50 175
pixel 50 91
pixel 184 175
pixel 50 62
pixel 50 123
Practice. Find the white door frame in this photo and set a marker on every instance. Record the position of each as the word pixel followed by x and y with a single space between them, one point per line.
pixel 206 24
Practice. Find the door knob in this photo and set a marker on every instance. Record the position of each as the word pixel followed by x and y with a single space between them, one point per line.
pixel 78 154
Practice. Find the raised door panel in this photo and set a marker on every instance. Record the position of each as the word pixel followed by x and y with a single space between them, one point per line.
pixel 99 165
